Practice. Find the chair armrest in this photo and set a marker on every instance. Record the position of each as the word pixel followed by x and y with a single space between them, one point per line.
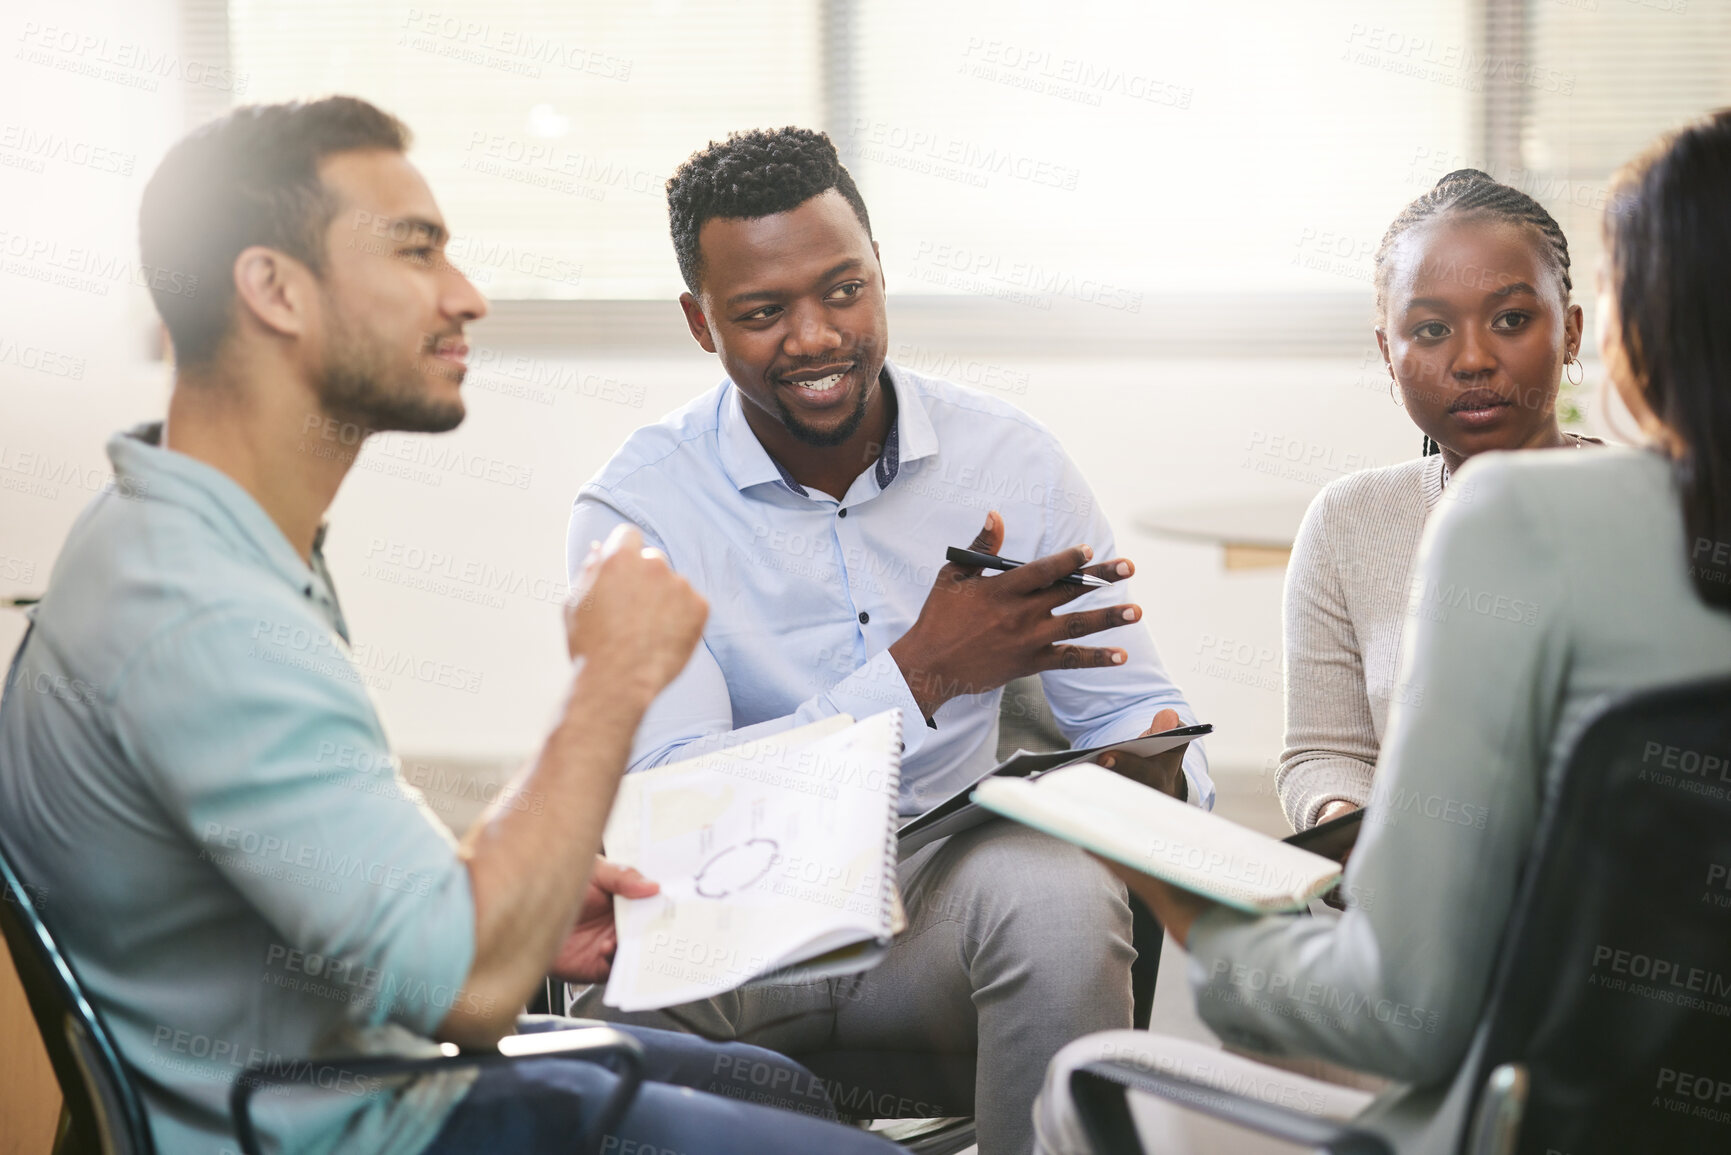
pixel 1101 1093
pixel 611 1048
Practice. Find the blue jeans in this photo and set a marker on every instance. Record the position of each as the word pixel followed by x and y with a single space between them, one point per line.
pixel 697 1098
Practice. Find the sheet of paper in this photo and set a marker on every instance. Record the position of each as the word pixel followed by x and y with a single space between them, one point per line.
pixel 765 855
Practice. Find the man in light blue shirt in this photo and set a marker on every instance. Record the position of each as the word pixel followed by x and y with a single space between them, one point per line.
pixel 810 497
pixel 195 787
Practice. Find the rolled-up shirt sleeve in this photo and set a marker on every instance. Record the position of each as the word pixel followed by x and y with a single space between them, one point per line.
pixel 1397 985
pixel 254 725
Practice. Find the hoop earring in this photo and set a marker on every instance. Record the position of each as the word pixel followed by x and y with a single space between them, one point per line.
pixel 1580 373
pixel 1392 396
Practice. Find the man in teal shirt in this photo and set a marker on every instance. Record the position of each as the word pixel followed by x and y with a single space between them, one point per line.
pixel 191 769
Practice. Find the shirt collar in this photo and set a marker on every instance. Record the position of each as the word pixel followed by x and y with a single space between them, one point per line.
pixel 914 435
pixel 749 464
pixel 143 469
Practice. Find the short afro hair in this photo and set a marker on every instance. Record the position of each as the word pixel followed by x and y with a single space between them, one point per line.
pixel 750 175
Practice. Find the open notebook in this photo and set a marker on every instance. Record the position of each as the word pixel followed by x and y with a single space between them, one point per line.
pixel 1158 835
pixel 775 858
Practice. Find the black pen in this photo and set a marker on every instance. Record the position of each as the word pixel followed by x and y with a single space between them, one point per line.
pixel 993 561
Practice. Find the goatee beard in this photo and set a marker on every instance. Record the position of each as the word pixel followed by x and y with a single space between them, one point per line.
pixel 825 438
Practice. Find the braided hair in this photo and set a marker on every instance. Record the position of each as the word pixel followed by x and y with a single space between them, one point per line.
pixel 1468 191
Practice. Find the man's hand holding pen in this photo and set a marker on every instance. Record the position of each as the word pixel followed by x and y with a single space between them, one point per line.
pixel 977 632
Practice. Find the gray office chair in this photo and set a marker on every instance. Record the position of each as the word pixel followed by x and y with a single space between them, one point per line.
pixel 1629 845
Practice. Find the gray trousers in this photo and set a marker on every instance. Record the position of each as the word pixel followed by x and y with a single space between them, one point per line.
pixel 1016 944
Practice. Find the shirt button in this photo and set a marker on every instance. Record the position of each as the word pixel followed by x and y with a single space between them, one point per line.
pixel 841 513
pixel 864 617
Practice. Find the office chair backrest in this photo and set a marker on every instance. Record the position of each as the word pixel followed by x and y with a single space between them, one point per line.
pixel 1614 989
pixel 101 1104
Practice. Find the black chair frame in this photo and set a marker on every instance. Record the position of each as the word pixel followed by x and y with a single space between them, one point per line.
pixel 611 1048
pixel 1541 1065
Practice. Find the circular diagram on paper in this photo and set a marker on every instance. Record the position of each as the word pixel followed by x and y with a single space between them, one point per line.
pixel 737 868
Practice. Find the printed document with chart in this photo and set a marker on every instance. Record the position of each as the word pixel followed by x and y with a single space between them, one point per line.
pixel 775 858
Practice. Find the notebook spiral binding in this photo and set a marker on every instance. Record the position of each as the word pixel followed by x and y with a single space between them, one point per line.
pixel 891 857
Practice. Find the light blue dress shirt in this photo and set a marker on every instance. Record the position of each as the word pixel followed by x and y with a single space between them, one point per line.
pixel 196 787
pixel 807 593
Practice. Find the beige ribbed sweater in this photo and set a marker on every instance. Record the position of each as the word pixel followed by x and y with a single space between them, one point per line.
pixel 1345 604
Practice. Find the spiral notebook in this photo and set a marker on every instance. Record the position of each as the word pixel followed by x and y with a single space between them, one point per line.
pixel 776 859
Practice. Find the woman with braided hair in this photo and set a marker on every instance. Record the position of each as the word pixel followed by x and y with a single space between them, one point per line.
pixel 1477 330
pixel 1572 579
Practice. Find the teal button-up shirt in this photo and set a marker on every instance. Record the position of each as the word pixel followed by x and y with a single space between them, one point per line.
pixel 197 789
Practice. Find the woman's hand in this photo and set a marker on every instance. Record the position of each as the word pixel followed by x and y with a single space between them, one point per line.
pixel 1334 809
pixel 1176 909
